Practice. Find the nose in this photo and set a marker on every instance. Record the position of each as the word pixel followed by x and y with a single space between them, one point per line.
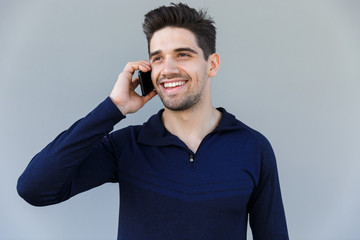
pixel 169 67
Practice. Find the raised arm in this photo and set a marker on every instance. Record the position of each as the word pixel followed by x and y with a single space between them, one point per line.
pixel 82 157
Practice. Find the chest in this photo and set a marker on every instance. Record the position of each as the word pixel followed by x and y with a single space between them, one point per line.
pixel 225 167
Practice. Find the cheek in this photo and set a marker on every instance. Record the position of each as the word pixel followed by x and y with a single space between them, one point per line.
pixel 200 72
pixel 191 69
pixel 154 74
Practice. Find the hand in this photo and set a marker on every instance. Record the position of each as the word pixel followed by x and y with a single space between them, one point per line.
pixel 123 94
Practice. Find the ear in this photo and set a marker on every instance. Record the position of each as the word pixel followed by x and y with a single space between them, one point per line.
pixel 214 64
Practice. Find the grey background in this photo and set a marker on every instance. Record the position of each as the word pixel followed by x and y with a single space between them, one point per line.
pixel 289 69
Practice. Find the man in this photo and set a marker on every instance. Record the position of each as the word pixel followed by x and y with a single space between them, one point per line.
pixel 191 172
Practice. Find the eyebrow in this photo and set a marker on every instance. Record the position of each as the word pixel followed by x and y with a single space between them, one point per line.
pixel 185 49
pixel 154 53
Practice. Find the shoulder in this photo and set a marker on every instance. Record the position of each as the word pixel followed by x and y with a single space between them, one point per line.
pixel 135 132
pixel 230 123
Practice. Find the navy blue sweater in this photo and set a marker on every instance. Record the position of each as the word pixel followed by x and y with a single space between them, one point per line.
pixel 166 190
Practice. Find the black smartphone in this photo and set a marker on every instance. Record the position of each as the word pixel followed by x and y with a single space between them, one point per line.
pixel 145 82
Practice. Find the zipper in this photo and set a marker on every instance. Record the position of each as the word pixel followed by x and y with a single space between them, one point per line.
pixel 191 160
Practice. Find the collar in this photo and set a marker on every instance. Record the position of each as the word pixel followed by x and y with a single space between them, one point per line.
pixel 154 133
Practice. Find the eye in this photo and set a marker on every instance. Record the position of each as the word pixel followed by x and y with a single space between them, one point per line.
pixel 156 58
pixel 183 55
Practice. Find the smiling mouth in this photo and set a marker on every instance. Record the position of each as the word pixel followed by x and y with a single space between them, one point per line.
pixel 169 85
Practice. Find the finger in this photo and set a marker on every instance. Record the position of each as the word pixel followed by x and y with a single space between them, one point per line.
pixel 131 67
pixel 149 96
pixel 144 67
pixel 135 79
pixel 135 83
pixel 147 63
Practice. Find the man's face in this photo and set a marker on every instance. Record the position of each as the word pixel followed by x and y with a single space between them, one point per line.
pixel 179 70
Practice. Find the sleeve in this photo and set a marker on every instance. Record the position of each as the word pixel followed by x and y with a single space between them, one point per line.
pixel 266 211
pixel 77 160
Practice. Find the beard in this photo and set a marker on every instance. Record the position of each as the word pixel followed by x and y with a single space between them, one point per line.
pixel 185 103
pixel 189 99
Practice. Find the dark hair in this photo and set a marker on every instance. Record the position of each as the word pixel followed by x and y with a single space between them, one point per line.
pixel 181 15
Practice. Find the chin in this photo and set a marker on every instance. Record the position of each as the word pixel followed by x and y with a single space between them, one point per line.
pixel 181 105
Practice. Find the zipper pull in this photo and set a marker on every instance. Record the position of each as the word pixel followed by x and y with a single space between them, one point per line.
pixel 191 160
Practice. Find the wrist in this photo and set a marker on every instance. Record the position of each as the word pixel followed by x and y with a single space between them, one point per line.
pixel 121 108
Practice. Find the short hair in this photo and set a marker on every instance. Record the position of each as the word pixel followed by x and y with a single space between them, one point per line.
pixel 182 16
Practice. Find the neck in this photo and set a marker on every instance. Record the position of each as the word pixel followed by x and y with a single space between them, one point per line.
pixel 192 125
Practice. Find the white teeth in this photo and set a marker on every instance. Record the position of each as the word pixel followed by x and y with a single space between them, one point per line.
pixel 173 84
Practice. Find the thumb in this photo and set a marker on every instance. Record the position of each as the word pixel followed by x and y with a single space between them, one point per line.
pixel 149 96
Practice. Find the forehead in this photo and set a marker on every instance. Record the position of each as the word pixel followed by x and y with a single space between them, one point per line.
pixel 170 38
